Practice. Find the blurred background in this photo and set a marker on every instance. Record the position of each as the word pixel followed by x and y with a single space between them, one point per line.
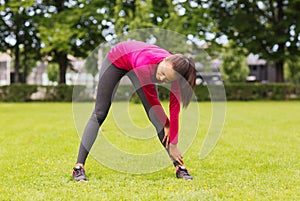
pixel 252 46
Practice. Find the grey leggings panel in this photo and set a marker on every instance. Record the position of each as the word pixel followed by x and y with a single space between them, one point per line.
pixel 109 79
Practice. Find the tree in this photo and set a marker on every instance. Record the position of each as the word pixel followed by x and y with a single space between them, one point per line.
pixel 92 62
pixel 53 72
pixel 293 69
pixel 268 28
pixel 132 15
pixel 234 66
pixel 18 35
pixel 144 18
pixel 71 27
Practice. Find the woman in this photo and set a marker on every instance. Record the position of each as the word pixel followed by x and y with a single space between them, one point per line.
pixel 145 65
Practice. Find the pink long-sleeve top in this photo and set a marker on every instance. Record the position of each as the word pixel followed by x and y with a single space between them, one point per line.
pixel 143 58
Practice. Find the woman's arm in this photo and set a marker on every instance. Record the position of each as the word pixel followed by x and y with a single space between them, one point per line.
pixel 174 108
pixel 175 98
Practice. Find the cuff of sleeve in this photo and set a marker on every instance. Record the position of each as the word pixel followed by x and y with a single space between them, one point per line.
pixel 167 124
pixel 174 139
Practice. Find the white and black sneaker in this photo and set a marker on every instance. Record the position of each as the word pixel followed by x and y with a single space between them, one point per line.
pixel 79 174
pixel 182 173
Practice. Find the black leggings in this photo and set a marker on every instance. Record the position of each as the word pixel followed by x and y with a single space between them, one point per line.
pixel 109 79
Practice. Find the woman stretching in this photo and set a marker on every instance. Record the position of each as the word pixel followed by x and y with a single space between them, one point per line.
pixel 145 65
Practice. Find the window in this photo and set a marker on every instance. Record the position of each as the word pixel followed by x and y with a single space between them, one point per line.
pixel 3 70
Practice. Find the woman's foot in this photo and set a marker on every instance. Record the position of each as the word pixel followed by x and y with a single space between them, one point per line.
pixel 79 174
pixel 182 173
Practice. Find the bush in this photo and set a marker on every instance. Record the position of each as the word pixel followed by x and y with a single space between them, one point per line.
pixel 25 93
pixel 257 91
pixel 61 93
pixel 64 93
pixel 17 92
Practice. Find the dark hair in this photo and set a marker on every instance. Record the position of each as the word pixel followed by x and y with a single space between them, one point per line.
pixel 185 66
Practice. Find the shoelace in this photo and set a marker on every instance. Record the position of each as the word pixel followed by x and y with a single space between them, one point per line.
pixel 79 172
pixel 185 172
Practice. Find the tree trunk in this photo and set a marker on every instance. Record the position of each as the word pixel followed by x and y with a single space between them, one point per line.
pixel 281 46
pixel 279 71
pixel 62 74
pixel 62 61
pixel 24 80
pixel 17 64
pixel 25 69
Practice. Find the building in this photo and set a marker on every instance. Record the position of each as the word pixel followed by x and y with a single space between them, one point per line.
pixel 5 70
pixel 38 74
pixel 260 70
pixel 209 73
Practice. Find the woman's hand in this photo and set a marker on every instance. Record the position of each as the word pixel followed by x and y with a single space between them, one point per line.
pixel 175 153
pixel 173 150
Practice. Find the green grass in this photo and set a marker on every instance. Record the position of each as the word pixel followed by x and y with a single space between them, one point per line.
pixel 256 158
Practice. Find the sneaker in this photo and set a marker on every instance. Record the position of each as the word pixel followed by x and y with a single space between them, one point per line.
pixel 79 174
pixel 181 172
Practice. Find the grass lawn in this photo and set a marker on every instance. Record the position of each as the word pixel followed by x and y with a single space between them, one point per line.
pixel 256 158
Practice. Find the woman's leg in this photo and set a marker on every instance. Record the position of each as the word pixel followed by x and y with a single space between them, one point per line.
pixel 109 78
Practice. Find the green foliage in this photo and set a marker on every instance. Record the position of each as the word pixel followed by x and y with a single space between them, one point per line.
pixel 132 15
pixel 234 66
pixel 18 35
pixel 17 92
pixel 142 18
pixel 53 72
pixel 160 10
pixel 61 93
pixel 257 91
pixel 65 93
pixel 293 69
pixel 15 5
pixel 174 22
pixel 267 28
pixel 71 28
pixel 91 63
pixel 55 37
pixel 135 99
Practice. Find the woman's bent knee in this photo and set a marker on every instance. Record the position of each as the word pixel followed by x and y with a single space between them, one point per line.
pixel 100 116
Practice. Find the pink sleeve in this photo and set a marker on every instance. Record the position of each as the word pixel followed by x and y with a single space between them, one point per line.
pixel 175 98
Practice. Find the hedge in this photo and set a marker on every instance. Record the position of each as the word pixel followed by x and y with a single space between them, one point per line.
pixel 258 91
pixel 26 93
pixel 66 93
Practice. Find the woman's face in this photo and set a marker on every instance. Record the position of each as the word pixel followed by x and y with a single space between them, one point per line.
pixel 165 72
